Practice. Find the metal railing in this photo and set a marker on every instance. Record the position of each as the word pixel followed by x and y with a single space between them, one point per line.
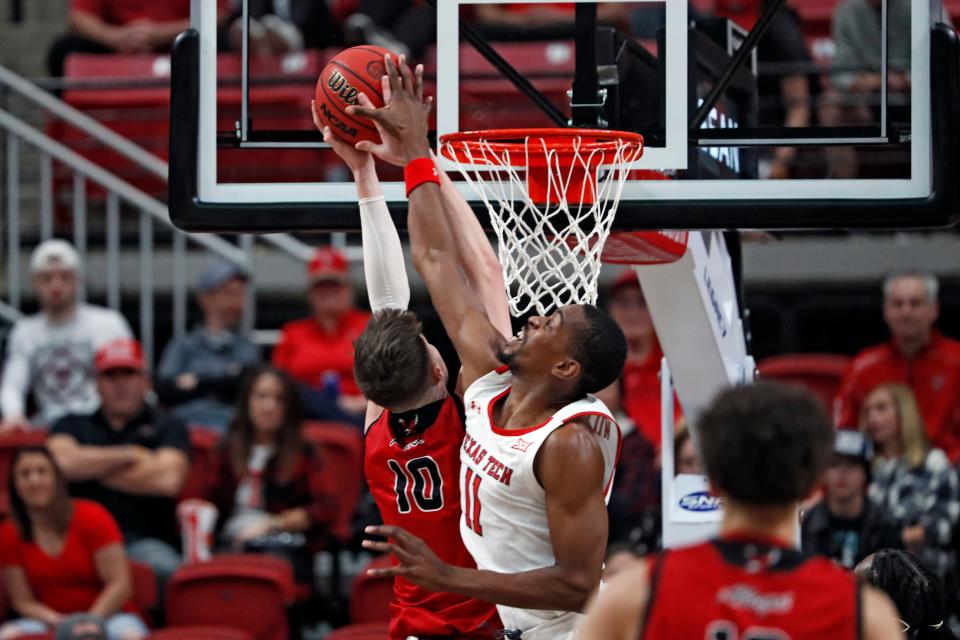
pixel 119 193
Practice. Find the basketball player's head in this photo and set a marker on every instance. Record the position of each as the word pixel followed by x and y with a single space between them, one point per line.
pixel 579 347
pixel 917 592
pixel 765 445
pixel 394 365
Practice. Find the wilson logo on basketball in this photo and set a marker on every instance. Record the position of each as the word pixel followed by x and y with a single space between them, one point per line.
pixel 342 88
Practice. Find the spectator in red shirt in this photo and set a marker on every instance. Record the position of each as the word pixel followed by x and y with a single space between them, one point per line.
pixel 641 374
pixel 917 355
pixel 269 482
pixel 318 351
pixel 61 556
pixel 122 26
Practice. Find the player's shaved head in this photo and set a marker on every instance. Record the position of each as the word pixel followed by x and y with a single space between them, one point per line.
pixel 391 359
pixel 765 444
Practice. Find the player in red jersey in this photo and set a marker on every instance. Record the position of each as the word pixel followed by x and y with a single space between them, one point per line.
pixel 764 448
pixel 415 427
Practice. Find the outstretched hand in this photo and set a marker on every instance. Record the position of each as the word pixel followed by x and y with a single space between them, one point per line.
pixel 390 148
pixel 405 115
pixel 418 563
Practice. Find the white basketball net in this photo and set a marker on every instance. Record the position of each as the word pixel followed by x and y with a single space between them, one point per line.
pixel 551 252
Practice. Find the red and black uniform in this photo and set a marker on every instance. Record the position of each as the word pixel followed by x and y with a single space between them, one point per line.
pixel 737 588
pixel 412 464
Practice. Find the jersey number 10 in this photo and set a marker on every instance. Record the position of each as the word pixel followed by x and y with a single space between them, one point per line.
pixel 418 481
pixel 728 631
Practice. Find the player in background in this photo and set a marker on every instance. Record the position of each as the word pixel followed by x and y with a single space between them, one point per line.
pixel 414 426
pixel 539 453
pixel 764 448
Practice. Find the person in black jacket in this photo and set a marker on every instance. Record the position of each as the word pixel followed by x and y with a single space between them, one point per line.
pixel 845 525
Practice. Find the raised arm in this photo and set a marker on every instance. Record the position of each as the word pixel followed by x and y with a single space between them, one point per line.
pixel 432 242
pixel 479 262
pixel 384 268
pixel 577 519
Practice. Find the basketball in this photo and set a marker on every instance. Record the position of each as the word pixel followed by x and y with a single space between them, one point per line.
pixel 349 73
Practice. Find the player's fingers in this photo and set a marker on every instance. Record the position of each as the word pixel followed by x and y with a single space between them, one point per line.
pixel 365 101
pixel 386 89
pixel 390 572
pixel 428 104
pixel 396 82
pixel 404 538
pixel 408 81
pixel 383 530
pixel 316 116
pixel 418 83
pixel 373 545
pixel 365 112
pixel 365 146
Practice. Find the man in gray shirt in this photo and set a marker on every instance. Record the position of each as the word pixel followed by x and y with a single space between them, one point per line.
pixel 50 353
pixel 200 373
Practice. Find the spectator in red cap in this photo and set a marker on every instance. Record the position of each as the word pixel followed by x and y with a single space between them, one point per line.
pixel 127 457
pixel 641 374
pixel 318 351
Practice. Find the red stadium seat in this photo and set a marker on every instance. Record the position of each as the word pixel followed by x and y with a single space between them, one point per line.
pixel 370 596
pixel 245 592
pixel 10 443
pixel 821 373
pixel 282 568
pixel 200 633
pixel 144 582
pixel 371 631
pixel 341 450
pixel 203 463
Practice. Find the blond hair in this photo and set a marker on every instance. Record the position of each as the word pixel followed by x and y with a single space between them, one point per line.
pixel 913 437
